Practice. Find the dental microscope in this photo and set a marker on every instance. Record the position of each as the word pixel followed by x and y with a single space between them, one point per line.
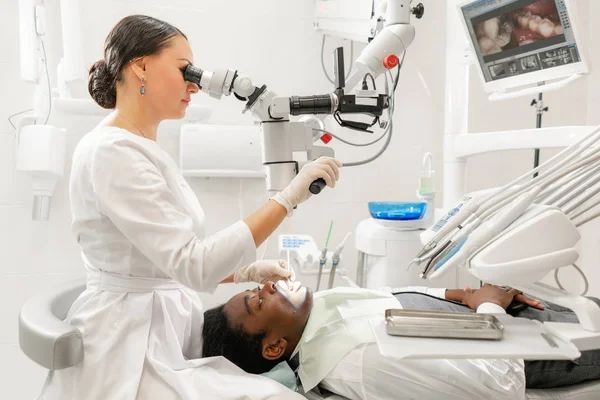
pixel 281 137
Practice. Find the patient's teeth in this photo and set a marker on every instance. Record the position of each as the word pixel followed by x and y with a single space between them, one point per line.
pixel 486 44
pixel 533 24
pixel 546 28
pixel 524 21
pixel 491 27
pixel 558 29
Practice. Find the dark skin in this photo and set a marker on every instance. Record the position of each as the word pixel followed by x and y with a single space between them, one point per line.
pixel 474 296
pixel 267 310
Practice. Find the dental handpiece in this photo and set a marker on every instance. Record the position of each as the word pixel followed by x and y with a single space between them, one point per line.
pixel 336 259
pixel 486 231
pixel 322 261
pixel 453 219
pixel 456 239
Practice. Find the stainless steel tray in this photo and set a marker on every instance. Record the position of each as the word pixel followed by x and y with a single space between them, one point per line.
pixel 441 324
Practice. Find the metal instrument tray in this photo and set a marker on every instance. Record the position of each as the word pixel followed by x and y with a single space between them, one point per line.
pixel 441 324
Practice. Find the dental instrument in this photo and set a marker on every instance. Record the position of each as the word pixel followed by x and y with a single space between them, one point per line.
pixel 323 257
pixel 575 157
pixel 336 259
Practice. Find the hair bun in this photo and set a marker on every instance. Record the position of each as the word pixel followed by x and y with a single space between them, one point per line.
pixel 101 85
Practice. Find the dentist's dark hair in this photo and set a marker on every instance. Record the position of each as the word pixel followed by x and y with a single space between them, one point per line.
pixel 133 37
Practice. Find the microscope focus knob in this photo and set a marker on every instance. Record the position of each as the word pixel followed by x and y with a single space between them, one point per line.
pixel 418 11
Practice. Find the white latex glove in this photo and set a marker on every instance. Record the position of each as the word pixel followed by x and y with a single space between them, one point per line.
pixel 263 271
pixel 298 189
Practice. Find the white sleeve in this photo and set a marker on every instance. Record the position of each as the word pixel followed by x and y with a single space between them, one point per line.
pixel 134 195
pixel 436 292
pixel 386 378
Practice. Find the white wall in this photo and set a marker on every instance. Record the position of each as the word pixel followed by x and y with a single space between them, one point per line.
pixel 273 42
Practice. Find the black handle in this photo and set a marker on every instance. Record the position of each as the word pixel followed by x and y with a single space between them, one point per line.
pixel 317 186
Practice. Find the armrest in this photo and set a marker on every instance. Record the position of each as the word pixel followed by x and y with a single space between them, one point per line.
pixel 43 335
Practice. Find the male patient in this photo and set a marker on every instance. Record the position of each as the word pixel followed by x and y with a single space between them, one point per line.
pixel 336 349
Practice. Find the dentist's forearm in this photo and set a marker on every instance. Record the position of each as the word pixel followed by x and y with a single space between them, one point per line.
pixel 265 220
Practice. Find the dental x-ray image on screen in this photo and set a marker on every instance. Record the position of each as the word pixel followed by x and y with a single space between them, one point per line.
pixel 521 42
pixel 537 21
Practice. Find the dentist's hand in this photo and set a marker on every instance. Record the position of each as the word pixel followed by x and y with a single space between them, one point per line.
pixel 298 189
pixel 263 271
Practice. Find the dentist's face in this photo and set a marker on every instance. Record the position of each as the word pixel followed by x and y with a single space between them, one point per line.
pixel 167 92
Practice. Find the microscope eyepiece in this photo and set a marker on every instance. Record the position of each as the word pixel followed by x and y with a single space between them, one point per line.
pixel 193 74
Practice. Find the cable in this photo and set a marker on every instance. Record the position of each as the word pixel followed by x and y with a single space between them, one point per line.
pixel 568 154
pixel 585 280
pixel 368 75
pixel 350 143
pixel 14 115
pixel 398 71
pixel 47 80
pixel 589 219
pixel 588 180
pixel 389 129
pixel 323 60
pixel 584 197
pixel 49 90
pixel 581 212
pixel 555 174
pixel 552 194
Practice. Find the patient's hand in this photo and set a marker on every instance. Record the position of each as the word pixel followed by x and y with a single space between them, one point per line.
pixel 459 295
pixel 489 294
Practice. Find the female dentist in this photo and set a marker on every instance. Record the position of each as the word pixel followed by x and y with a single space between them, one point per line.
pixel 141 233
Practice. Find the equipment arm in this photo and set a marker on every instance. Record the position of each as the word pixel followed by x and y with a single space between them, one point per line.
pixel 280 137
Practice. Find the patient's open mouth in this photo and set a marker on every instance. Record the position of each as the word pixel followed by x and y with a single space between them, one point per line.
pixel 296 294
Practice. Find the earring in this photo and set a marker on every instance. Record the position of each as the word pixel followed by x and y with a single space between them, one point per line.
pixel 142 88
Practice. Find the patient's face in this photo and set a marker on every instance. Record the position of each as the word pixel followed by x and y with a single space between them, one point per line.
pixel 272 309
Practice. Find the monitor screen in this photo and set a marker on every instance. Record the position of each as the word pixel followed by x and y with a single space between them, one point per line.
pixel 517 37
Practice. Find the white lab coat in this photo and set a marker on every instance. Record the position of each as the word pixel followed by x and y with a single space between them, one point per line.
pixel 141 233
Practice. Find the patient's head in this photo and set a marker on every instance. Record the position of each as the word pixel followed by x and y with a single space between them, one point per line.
pixel 259 328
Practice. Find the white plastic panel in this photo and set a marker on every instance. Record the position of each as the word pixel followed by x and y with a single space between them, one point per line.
pixel 220 151
pixel 348 19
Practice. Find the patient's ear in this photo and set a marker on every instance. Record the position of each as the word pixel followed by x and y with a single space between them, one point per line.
pixel 274 349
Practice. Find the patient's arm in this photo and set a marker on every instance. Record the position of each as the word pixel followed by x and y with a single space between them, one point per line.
pixel 436 292
pixel 458 295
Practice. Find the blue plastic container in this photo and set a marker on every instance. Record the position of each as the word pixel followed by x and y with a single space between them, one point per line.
pixel 397 211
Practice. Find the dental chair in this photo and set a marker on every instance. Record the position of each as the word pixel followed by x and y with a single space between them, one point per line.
pixel 52 343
